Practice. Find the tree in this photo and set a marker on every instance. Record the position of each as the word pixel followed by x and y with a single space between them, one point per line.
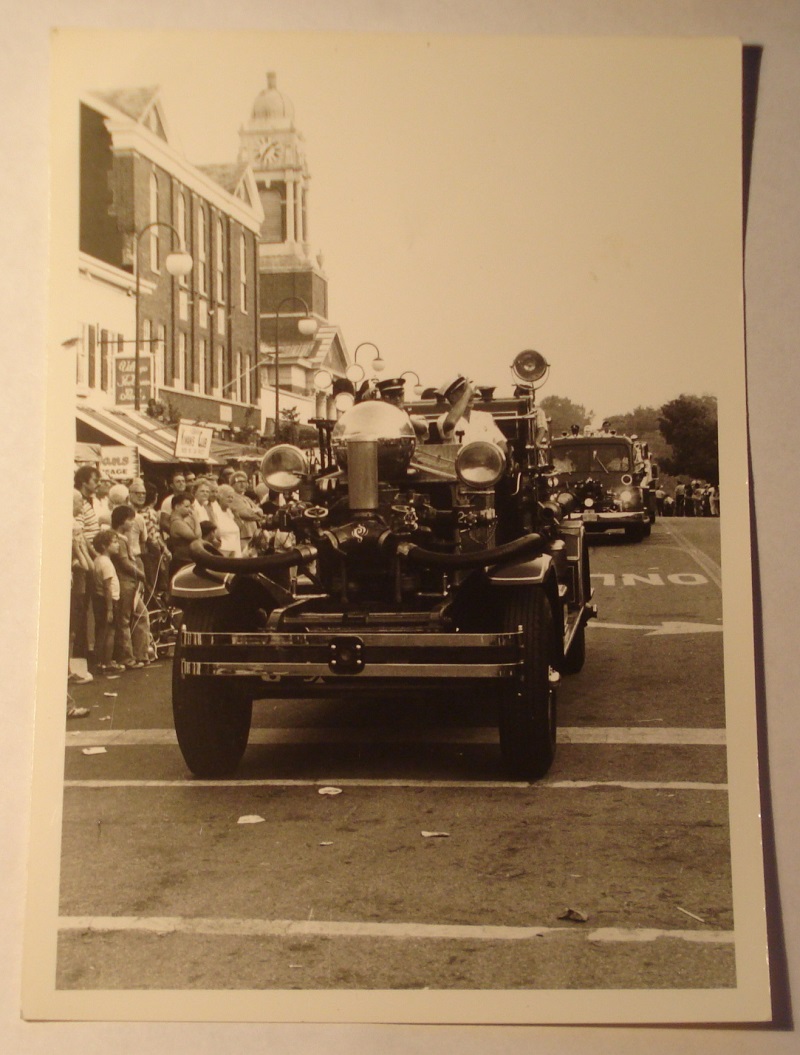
pixel 689 424
pixel 563 414
pixel 289 426
pixel 644 423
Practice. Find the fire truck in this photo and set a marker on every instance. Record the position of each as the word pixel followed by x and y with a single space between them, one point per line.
pixel 608 480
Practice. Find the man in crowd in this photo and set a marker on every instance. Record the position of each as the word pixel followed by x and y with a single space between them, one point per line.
pixel 247 513
pixel 178 487
pixel 392 390
pixel 86 481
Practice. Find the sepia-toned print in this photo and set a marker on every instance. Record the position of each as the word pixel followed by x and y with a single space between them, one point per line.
pixel 399 386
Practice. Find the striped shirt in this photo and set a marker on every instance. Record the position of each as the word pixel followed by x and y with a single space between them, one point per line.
pixel 88 519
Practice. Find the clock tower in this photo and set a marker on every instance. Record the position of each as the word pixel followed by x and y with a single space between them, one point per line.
pixel 272 145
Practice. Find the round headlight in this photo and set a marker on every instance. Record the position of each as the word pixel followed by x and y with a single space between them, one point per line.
pixel 283 468
pixel 480 464
pixel 625 496
pixel 588 502
pixel 566 501
pixel 627 479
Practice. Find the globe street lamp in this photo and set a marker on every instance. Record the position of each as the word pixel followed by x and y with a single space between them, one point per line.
pixel 178 264
pixel 418 389
pixel 355 372
pixel 307 326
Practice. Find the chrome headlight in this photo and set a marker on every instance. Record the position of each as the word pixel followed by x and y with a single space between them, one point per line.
pixel 283 468
pixel 588 502
pixel 480 464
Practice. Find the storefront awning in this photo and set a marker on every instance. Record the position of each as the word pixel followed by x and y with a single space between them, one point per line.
pixel 156 442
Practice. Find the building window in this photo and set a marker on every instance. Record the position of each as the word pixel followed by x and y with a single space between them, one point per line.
pixel 243 272
pixel 180 365
pixel 228 390
pixel 202 251
pixel 81 359
pixel 145 337
pixel 218 371
pixel 244 384
pixel 183 231
pixel 153 218
pixel 104 360
pixel 202 366
pixel 273 202
pixel 220 262
pixel 160 350
pixel 92 356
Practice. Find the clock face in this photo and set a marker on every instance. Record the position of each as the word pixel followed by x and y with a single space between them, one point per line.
pixel 269 151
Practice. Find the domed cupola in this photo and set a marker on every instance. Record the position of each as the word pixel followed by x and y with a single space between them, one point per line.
pixel 272 105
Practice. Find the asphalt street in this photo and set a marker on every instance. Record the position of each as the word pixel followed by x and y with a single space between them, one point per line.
pixel 426 868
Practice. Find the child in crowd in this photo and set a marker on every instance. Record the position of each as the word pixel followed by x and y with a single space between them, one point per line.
pixel 183 531
pixel 210 533
pixel 105 600
pixel 133 630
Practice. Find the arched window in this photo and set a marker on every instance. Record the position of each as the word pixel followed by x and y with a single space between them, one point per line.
pixel 153 218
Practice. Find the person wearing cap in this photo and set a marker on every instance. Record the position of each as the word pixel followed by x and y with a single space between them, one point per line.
pixel 368 389
pixel 462 424
pixel 392 390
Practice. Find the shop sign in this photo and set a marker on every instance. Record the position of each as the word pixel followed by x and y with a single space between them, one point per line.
pixel 193 442
pixel 119 463
pixel 125 387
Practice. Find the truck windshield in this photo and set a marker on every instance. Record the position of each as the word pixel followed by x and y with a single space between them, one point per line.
pixel 591 457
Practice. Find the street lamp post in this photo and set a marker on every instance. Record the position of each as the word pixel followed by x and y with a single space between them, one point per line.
pixel 378 363
pixel 307 326
pixel 418 390
pixel 177 264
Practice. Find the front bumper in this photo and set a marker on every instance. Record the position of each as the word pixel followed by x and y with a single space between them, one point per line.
pixel 341 655
pixel 600 521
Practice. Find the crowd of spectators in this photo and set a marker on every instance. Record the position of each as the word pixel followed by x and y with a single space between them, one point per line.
pixel 128 539
pixel 693 499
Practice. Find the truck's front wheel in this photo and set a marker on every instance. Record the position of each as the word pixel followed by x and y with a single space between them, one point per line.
pixel 212 715
pixel 528 701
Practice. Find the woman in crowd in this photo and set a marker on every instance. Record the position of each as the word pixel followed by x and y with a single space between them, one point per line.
pixel 202 501
pixel 226 522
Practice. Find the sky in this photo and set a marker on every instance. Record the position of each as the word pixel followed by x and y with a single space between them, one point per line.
pixel 475 196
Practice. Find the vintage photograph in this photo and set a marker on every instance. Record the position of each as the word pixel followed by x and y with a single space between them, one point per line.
pixel 405 609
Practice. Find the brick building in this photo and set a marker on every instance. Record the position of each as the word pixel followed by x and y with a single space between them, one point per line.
pixel 140 199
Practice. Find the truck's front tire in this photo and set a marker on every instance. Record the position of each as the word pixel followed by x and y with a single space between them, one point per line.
pixel 528 719
pixel 212 715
